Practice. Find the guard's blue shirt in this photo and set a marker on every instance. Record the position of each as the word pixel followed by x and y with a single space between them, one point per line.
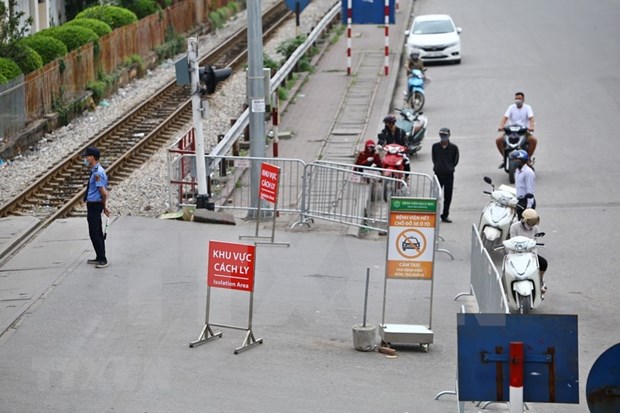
pixel 98 179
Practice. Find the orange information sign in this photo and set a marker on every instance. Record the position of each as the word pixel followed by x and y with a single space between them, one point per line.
pixel 231 265
pixel 411 238
pixel 268 188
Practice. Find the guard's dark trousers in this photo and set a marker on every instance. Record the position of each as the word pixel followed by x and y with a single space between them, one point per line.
pixel 93 216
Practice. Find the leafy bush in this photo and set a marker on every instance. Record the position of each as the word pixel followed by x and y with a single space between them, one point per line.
pixel 3 79
pixel 114 16
pixel 9 69
pixel 141 8
pixel 72 36
pixel 49 48
pixel 98 87
pixel 27 58
pixel 288 47
pixel 99 27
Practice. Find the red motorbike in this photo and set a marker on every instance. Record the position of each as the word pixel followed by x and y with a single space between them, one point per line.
pixel 394 165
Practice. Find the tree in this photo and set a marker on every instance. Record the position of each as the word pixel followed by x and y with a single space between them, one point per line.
pixel 12 29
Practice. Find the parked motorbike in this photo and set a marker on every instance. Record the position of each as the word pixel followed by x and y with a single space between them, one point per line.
pixel 514 140
pixel 520 273
pixel 414 124
pixel 414 96
pixel 393 167
pixel 497 215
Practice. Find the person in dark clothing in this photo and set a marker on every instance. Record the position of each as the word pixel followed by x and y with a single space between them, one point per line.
pixel 445 158
pixel 96 198
pixel 393 134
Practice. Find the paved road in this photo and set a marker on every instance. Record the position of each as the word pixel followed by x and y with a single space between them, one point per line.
pixel 564 56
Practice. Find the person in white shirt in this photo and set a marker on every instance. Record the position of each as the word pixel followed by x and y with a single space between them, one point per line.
pixel 525 182
pixel 518 114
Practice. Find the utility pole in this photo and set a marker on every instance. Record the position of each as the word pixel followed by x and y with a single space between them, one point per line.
pixel 200 110
pixel 256 93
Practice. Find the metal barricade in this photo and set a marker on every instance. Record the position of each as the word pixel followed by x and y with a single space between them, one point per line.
pixel 485 281
pixel 354 195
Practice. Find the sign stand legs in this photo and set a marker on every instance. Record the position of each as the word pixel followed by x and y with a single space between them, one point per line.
pixel 206 334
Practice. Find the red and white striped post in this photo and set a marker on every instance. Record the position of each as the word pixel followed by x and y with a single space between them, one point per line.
pixel 349 22
pixel 275 122
pixel 516 377
pixel 387 37
pixel 397 5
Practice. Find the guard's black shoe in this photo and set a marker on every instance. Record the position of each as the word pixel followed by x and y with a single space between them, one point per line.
pixel 501 166
pixel 446 220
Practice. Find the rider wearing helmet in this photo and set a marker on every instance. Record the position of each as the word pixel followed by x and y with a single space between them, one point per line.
pixel 393 134
pixel 525 181
pixel 528 227
pixel 414 61
pixel 369 156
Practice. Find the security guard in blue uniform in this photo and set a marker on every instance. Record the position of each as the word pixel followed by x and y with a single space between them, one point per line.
pixel 96 198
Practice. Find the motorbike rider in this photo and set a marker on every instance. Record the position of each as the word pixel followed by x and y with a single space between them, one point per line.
pixel 525 182
pixel 368 156
pixel 393 134
pixel 415 62
pixel 521 114
pixel 528 227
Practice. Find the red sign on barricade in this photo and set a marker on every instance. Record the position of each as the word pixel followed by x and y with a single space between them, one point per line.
pixel 231 266
pixel 268 188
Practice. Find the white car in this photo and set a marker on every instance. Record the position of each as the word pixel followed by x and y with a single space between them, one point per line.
pixel 436 37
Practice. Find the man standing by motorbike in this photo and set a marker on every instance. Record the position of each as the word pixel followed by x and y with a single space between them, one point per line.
pixel 445 158
pixel 528 227
pixel 368 156
pixel 518 114
pixel 393 134
pixel 525 182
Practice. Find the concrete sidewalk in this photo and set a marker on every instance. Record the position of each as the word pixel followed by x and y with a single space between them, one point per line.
pixel 117 339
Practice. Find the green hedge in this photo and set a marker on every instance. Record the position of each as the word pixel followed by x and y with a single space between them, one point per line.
pixel 49 48
pixel 114 16
pixel 9 69
pixel 98 26
pixel 3 79
pixel 72 36
pixel 27 58
pixel 141 8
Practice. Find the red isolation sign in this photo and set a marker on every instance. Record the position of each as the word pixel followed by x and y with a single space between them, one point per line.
pixel 268 188
pixel 231 266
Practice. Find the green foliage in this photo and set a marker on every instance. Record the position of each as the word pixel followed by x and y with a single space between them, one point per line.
pixel 27 58
pixel 216 20
pixel 141 8
pixel 174 44
pixel 72 36
pixel 234 8
pixel 304 65
pixel 288 47
pixel 98 26
pixel 13 27
pixel 270 63
pixel 3 79
pixel 282 93
pixel 49 48
pixel 98 88
pixel 114 16
pixel 9 69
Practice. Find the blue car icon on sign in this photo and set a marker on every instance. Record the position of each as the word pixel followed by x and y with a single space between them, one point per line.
pixel 410 243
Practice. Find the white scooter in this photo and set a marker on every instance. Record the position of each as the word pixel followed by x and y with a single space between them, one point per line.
pixel 520 273
pixel 497 215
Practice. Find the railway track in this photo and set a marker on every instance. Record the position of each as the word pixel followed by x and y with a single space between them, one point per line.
pixel 130 142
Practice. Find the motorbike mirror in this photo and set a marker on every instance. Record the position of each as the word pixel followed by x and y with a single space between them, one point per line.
pixel 529 195
pixel 539 234
pixel 488 180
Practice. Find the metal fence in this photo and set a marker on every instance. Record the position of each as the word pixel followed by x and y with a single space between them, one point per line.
pixel 12 96
pixel 335 192
pixel 65 79
pixel 485 281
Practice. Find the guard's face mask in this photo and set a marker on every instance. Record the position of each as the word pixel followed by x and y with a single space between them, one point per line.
pixel 519 103
pixel 85 162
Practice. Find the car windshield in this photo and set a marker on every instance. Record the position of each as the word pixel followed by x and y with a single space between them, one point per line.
pixel 432 27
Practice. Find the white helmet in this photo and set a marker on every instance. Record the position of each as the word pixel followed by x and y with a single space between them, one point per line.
pixel 530 217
